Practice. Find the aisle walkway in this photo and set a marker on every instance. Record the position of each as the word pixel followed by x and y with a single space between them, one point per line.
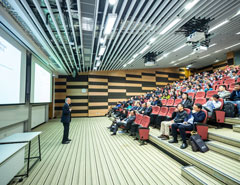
pixel 94 157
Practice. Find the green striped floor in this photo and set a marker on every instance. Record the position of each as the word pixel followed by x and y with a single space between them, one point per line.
pixel 95 157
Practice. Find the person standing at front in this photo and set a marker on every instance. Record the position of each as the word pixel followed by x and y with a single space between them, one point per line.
pixel 66 119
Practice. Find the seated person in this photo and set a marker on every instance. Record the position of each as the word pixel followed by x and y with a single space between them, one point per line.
pixel 135 106
pixel 186 101
pixel 212 103
pixel 148 109
pixel 197 115
pixel 121 117
pixel 116 107
pixel 126 122
pixel 142 109
pixel 189 89
pixel 235 97
pixel 129 106
pixel 222 92
pixel 179 117
pixel 208 88
pixel 157 102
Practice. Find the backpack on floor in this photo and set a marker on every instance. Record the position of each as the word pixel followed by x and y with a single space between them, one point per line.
pixel 198 143
pixel 229 109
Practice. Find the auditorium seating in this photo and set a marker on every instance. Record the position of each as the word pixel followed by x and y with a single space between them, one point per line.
pixel 211 93
pixel 143 130
pixel 155 110
pixel 170 112
pixel 192 95
pixel 177 101
pixel 200 100
pixel 164 102
pixel 170 102
pixel 200 94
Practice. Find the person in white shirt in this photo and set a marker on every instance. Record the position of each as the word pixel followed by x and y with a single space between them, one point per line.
pixel 212 104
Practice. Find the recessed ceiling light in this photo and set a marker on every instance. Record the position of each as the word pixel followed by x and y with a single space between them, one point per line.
pixel 204 56
pixel 182 58
pixel 238 33
pixel 232 46
pixel 134 56
pixel 173 62
pixel 102 40
pixel 216 61
pixel 124 65
pixel 170 26
pixel 217 51
pixel 112 2
pixel 212 45
pixel 102 50
pixel 87 24
pixel 152 40
pixel 218 25
pixel 191 4
pixel 144 49
pixel 179 48
pixel 131 61
pixel 110 23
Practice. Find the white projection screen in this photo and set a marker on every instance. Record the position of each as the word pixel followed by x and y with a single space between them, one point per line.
pixel 12 71
pixel 41 83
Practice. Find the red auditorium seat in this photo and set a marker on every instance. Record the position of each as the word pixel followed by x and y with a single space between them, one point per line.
pixel 177 101
pixel 225 78
pixel 187 110
pixel 164 101
pixel 170 102
pixel 163 111
pixel 144 129
pixel 138 119
pixel 211 93
pixel 184 90
pixel 200 94
pixel 200 100
pixel 192 94
pixel 229 81
pixel 170 112
pixel 238 80
pixel 155 110
pixel 231 86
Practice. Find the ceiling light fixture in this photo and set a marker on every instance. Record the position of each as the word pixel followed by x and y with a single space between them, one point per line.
pixel 182 58
pixel 131 61
pixel 144 49
pixel 173 62
pixel 218 25
pixel 217 51
pixel 135 56
pixel 212 45
pixel 102 40
pixel 152 40
pixel 170 26
pixel 232 46
pixel 112 2
pixel 160 58
pixel 102 50
pixel 190 5
pixel 110 23
pixel 238 33
pixel 124 65
pixel 216 61
pixel 204 56
pixel 98 63
pixel 179 48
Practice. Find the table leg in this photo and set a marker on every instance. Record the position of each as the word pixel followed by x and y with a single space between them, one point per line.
pixel 39 148
pixel 29 153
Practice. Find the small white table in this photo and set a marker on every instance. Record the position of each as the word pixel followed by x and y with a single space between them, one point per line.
pixel 11 161
pixel 25 137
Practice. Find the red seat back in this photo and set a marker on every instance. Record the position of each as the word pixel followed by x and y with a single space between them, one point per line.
pixel 192 94
pixel 222 101
pixel 163 111
pixel 231 86
pixel 170 111
pixel 155 109
pixel 206 116
pixel 229 81
pixel 200 94
pixel 170 102
pixel 200 100
pixel 164 101
pixel 145 121
pixel 177 101
pixel 238 80
pixel 187 110
pixel 138 119
pixel 211 93
pixel 225 78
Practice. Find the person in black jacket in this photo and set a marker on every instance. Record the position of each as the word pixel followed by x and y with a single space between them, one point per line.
pixel 142 109
pixel 235 97
pixel 126 122
pixel 187 103
pixel 148 110
pixel 197 115
pixel 66 119
pixel 157 102
pixel 178 116
pixel 121 117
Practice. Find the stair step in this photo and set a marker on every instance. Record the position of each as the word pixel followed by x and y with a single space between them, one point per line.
pixel 232 121
pixel 198 177
pixel 215 164
pixel 225 149
pixel 225 136
pixel 236 128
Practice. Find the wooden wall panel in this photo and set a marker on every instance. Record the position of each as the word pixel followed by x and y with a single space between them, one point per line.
pixel 106 88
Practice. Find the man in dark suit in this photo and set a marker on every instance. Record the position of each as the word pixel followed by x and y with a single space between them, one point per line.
pixel 66 119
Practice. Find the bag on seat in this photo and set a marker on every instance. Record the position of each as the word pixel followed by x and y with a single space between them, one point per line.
pixel 198 142
pixel 229 109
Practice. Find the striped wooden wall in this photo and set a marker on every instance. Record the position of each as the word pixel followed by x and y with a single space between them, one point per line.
pixel 94 92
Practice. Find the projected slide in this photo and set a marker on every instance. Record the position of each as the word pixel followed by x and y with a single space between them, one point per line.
pixel 10 73
pixel 42 85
